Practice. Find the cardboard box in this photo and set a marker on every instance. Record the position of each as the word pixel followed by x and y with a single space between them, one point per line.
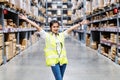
pixel 59 12
pixel 118 60
pixel 19 3
pixel 94 45
pixel 7 50
pixel 101 3
pixel 64 0
pixel 10 36
pixel 1 60
pixel 12 1
pixel 14 46
pixel 24 43
pixel 4 0
pixel 1 39
pixel 69 12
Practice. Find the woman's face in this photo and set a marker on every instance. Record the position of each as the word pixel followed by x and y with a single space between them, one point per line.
pixel 55 28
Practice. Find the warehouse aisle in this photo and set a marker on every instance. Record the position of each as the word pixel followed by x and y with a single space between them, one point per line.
pixel 84 64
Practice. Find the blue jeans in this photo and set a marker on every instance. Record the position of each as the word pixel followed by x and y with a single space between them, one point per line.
pixel 58 71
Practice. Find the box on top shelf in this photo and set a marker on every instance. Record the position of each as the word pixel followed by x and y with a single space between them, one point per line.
pixel 64 0
pixel 95 5
pixel 12 2
pixel 4 1
pixel 23 5
pixel 49 0
pixel 35 1
pixel 88 7
pixel 114 1
pixel 107 2
pixel 100 4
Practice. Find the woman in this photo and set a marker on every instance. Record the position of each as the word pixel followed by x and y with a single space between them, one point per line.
pixel 55 52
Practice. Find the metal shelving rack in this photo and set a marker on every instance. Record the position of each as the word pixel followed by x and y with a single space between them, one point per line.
pixel 82 31
pixel 20 33
pixel 101 36
pixel 60 16
pixel 104 34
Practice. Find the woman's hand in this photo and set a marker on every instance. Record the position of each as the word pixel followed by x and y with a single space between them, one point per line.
pixel 21 16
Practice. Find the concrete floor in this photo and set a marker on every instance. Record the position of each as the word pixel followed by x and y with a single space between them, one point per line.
pixel 84 64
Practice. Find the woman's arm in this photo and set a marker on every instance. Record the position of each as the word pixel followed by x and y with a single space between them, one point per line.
pixel 21 16
pixel 76 26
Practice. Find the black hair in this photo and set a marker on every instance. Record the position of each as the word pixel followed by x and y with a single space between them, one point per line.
pixel 52 22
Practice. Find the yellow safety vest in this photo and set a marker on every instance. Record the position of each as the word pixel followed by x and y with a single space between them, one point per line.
pixel 52 57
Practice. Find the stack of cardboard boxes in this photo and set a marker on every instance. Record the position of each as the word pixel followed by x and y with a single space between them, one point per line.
pixel 113 38
pixel 1 46
pixel 112 53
